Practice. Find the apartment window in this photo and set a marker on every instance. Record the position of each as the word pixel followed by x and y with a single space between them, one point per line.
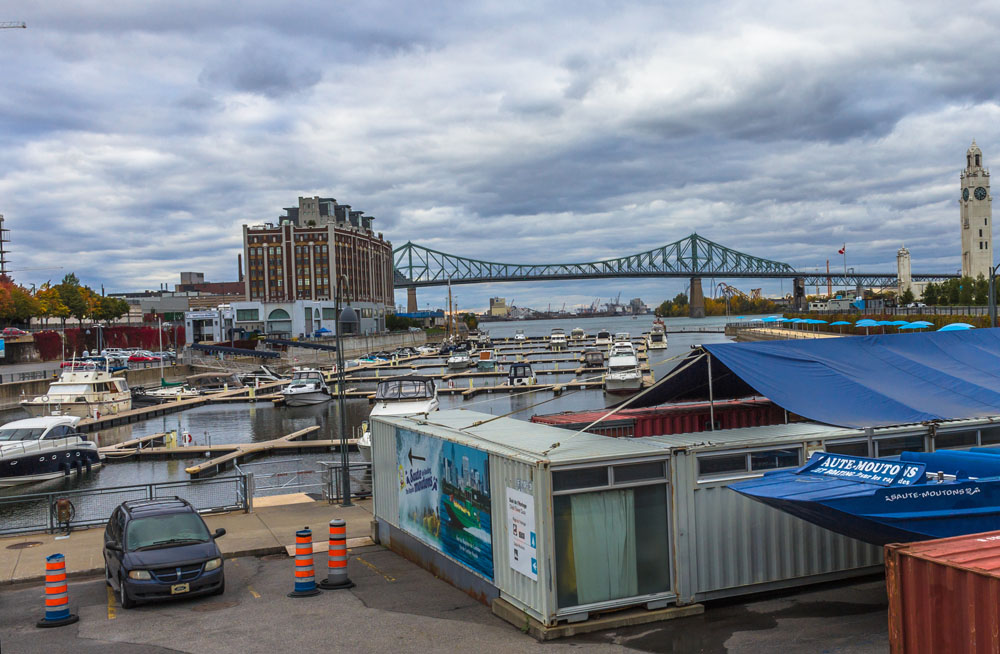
pixel 246 315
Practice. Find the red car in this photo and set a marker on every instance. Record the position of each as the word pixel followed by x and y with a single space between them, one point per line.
pixel 142 357
pixel 13 331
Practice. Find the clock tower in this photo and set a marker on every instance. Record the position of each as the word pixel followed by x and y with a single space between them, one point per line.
pixel 976 215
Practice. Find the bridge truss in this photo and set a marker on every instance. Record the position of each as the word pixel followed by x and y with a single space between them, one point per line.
pixel 694 256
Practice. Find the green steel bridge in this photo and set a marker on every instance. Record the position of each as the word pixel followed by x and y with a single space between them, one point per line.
pixel 692 257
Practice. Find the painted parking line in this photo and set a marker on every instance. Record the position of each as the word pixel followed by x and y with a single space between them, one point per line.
pixel 250 588
pixel 112 611
pixel 385 576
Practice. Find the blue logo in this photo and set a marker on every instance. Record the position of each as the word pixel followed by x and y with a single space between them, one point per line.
pixel 532 539
pixel 534 566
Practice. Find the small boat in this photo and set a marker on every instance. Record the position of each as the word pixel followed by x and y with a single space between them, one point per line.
pixel 603 337
pixel 427 349
pixel 86 391
pixel 557 339
pixel 406 395
pixel 656 339
pixel 621 337
pixel 519 335
pixel 167 392
pixel 919 496
pixel 624 375
pixel 307 387
pixel 37 449
pixel 487 360
pixel 577 334
pixel 262 374
pixel 459 360
pixel 520 374
pixel 213 382
pixel 592 358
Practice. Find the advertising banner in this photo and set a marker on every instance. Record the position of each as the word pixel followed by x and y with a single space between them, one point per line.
pixel 521 533
pixel 444 498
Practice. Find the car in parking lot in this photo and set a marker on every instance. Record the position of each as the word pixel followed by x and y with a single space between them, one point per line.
pixel 13 331
pixel 161 549
pixel 143 356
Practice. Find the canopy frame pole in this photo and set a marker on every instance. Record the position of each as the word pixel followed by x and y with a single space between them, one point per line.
pixel 711 396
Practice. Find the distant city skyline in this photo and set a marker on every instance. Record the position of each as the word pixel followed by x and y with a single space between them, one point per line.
pixel 138 139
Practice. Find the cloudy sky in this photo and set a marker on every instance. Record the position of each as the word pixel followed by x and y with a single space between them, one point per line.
pixel 138 136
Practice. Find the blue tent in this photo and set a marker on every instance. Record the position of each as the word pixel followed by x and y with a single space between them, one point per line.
pixel 956 326
pixel 865 381
pixel 839 322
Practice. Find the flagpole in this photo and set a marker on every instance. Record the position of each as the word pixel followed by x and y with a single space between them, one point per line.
pixel 848 291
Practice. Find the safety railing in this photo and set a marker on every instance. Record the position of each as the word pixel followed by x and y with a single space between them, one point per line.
pixel 283 476
pixel 56 510
pixel 360 473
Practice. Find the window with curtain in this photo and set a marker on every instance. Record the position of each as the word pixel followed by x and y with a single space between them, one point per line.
pixel 611 544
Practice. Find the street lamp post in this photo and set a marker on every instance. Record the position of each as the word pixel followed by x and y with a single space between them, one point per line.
pixel 346 318
pixel 993 298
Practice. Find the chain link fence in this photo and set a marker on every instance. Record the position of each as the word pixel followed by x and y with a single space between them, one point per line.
pixel 38 512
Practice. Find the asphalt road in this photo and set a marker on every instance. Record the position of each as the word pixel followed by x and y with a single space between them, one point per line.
pixel 399 607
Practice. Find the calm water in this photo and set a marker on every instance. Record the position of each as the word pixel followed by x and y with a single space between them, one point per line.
pixel 242 423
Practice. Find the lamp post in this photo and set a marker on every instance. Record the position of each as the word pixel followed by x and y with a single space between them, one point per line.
pixel 993 299
pixel 348 317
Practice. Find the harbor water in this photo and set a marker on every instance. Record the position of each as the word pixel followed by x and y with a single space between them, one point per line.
pixel 245 423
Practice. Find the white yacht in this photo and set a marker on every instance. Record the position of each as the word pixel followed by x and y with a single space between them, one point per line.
pixel 306 388
pixel 43 448
pixel 83 391
pixel 624 375
pixel 578 334
pixel 603 337
pixel 557 339
pixel 656 339
pixel 519 335
pixel 406 395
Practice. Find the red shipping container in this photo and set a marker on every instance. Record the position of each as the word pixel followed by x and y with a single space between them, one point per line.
pixel 944 595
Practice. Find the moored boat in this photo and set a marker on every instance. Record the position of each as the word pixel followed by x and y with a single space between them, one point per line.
pixel 557 339
pixel 37 449
pixel 656 339
pixel 405 395
pixel 487 360
pixel 520 374
pixel 577 334
pixel 84 392
pixel 603 337
pixel 306 388
pixel 624 375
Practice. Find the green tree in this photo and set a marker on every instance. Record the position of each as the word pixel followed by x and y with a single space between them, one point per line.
pixel 906 298
pixel 930 295
pixel 70 294
pixel 966 288
pixel 470 320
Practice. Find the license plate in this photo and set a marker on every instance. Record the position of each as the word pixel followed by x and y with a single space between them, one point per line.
pixel 177 589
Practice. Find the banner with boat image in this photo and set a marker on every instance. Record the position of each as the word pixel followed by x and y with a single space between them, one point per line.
pixel 444 498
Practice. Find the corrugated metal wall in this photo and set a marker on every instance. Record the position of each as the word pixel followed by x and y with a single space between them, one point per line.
pixel 385 478
pixel 525 593
pixel 726 542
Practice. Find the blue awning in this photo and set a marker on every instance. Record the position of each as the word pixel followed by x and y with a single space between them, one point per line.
pixel 859 381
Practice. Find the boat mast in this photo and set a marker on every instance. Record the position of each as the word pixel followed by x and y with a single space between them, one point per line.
pixel 451 316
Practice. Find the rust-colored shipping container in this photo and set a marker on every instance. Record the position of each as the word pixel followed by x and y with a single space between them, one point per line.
pixel 672 418
pixel 944 595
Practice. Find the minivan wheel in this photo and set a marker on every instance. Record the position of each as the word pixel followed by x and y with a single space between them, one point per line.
pixel 123 597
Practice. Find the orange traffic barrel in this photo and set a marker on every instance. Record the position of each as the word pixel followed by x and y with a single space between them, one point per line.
pixel 336 575
pixel 305 577
pixel 56 594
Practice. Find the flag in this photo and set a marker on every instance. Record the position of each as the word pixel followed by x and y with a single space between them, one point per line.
pixel 842 250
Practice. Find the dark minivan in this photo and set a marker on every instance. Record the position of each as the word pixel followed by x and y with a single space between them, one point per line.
pixel 161 549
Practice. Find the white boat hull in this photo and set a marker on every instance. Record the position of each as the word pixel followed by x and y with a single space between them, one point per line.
pixel 7 482
pixel 78 409
pixel 306 399
pixel 623 385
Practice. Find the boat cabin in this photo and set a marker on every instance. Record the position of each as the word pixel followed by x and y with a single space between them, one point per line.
pixel 520 374
pixel 592 358
pixel 406 388
pixel 213 382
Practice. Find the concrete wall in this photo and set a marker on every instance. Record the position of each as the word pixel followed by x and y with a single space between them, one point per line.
pixel 354 347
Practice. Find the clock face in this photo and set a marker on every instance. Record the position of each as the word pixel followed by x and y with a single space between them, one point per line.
pixel 980 193
pixel 965 194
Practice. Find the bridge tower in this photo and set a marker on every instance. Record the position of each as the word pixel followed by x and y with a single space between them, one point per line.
pixel 696 302
pixel 975 215
pixel 411 299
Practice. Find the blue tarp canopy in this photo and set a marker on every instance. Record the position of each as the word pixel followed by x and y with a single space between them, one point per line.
pixel 860 381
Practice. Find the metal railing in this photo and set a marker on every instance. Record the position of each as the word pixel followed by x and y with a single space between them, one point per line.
pixel 360 471
pixel 37 511
pixel 282 476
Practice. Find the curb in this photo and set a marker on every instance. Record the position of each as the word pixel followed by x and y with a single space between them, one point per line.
pixel 92 572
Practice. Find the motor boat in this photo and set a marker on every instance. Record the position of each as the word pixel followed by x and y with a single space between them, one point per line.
pixel 557 339
pixel 487 360
pixel 85 391
pixel 406 395
pixel 49 447
pixel 592 358
pixel 306 388
pixel 459 360
pixel 624 375
pixel 214 382
pixel 520 374
pixel 577 334
pixel 917 496
pixel 263 375
pixel 427 349
pixel 166 392
pixel 622 337
pixel 656 339
pixel 603 337
pixel 519 335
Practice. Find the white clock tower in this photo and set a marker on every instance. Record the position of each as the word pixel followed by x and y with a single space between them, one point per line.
pixel 976 215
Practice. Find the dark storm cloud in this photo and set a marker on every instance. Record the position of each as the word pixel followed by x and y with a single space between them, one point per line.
pixel 257 68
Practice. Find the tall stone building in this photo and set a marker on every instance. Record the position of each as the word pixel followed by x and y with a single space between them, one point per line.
pixel 903 274
pixel 976 214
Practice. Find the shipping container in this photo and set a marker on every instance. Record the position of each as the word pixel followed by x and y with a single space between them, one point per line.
pixel 944 595
pixel 566 525
pixel 672 418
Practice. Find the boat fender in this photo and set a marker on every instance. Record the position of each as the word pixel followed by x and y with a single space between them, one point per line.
pixel 45 398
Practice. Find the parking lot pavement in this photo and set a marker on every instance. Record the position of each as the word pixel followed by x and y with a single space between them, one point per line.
pixel 397 606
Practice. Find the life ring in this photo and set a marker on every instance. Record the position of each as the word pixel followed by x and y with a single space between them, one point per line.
pixel 45 398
